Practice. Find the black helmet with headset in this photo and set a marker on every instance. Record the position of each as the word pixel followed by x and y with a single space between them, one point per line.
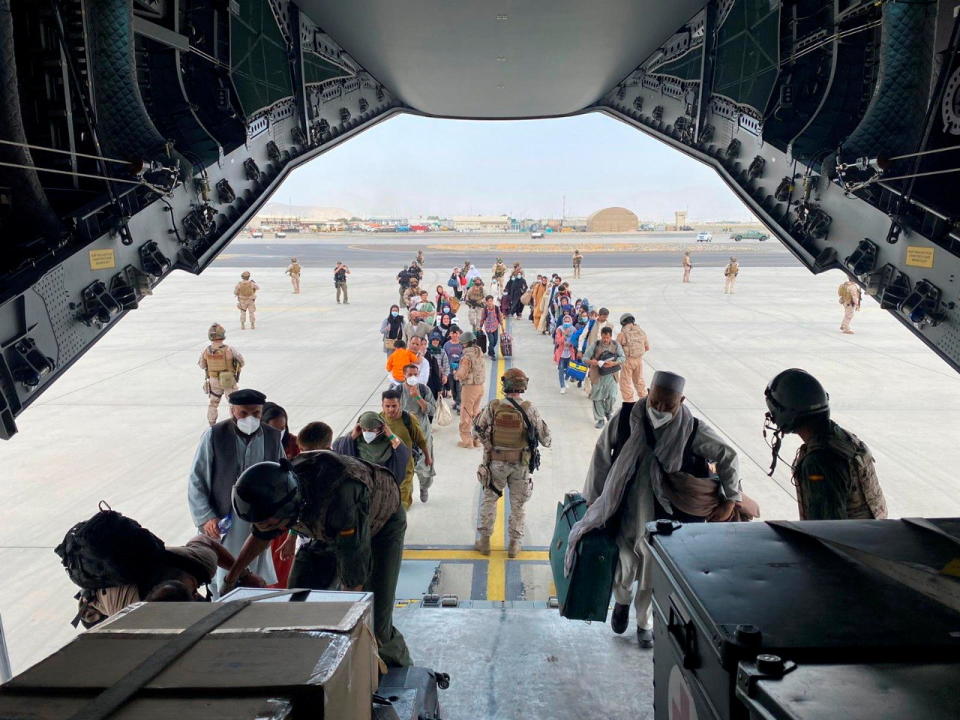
pixel 793 396
pixel 267 490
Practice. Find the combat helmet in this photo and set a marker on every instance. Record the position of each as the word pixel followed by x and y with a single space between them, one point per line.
pixel 217 332
pixel 468 337
pixel 293 260
pixel 267 490
pixel 514 381
pixel 794 395
pixel 245 275
pixel 627 318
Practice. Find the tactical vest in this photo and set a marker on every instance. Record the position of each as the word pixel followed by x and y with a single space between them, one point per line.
pixel 295 269
pixel 475 296
pixel 246 289
pixel 846 293
pixel 217 361
pixel 865 500
pixel 509 431
pixel 499 270
pixel 472 358
pixel 227 463
pixel 322 473
pixel 732 269
pixel 634 341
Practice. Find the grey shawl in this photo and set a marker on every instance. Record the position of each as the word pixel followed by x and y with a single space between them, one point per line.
pixel 671 440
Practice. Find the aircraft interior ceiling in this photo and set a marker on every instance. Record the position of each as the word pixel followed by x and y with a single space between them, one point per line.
pixel 138 137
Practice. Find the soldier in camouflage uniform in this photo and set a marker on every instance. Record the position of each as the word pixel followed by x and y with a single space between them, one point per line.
pixel 502 428
pixel 222 365
pixel 293 271
pixel 352 506
pixel 834 471
pixel 246 292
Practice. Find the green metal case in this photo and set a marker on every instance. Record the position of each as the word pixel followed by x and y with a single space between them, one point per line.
pixel 585 595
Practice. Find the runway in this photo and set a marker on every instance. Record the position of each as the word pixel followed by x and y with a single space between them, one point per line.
pixel 371 250
pixel 123 424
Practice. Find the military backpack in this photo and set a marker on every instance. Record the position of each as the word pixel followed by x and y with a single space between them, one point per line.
pixel 108 550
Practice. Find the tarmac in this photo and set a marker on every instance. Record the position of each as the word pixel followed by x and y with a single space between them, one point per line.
pixel 123 424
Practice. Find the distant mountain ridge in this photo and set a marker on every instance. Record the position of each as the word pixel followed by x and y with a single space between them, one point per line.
pixel 304 212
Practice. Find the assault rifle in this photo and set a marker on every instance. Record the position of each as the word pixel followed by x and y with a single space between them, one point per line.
pixel 533 440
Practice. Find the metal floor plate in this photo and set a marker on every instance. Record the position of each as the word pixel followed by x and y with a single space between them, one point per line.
pixel 522 662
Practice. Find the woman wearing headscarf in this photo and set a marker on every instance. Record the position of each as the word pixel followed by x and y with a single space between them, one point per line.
pixel 515 289
pixel 444 323
pixel 391 328
pixel 563 349
pixel 276 417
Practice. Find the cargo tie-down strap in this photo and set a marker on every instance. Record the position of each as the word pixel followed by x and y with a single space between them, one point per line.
pixel 121 692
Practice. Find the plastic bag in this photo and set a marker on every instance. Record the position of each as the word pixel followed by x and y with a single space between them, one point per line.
pixel 444 415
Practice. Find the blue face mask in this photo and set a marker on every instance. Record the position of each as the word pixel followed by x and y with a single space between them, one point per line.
pixel 566 324
pixel 393 313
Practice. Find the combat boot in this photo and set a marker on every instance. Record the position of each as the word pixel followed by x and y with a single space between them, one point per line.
pixel 482 545
pixel 514 549
pixel 243 326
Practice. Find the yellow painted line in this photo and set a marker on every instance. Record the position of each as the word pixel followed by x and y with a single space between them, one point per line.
pixel 539 555
pixel 497 567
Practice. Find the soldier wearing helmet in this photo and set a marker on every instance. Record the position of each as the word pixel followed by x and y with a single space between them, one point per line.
pixel 634 342
pixel 352 507
pixel 499 270
pixel 577 262
pixel 834 471
pixel 294 270
pixel 246 292
pixel 510 431
pixel 730 273
pixel 222 365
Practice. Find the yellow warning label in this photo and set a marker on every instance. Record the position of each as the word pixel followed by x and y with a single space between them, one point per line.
pixel 102 259
pixel 952 568
pixel 919 256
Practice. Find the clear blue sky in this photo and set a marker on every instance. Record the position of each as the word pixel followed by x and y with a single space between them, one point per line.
pixel 410 166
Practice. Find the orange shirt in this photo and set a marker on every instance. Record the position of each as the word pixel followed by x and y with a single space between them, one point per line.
pixel 398 360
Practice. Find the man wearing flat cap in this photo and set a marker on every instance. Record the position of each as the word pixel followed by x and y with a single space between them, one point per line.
pixel 649 465
pixel 226 450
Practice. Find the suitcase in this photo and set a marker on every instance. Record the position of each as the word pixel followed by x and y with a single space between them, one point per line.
pixel 409 693
pixel 482 341
pixel 585 595
pixel 505 304
pixel 506 344
pixel 576 371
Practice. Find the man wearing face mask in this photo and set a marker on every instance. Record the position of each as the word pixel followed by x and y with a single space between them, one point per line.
pixel 372 440
pixel 637 465
pixel 406 427
pixel 226 450
pixel 419 401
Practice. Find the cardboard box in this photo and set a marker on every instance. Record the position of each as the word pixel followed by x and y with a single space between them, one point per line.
pixel 312 659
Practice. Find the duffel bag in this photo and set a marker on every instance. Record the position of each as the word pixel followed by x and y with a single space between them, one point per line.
pixel 585 594
pixel 576 371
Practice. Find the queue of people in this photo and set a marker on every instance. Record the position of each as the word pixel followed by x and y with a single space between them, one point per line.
pixel 274 508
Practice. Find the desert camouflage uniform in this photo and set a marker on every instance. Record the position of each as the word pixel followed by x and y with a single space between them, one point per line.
pixel 495 475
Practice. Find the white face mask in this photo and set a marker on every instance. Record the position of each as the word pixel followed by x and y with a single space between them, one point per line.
pixel 659 418
pixel 412 380
pixel 248 425
pixel 369 436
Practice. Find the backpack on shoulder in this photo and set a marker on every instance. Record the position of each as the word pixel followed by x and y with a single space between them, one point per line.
pixel 108 550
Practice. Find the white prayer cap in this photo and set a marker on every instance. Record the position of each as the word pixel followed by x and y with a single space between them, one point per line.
pixel 668 381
